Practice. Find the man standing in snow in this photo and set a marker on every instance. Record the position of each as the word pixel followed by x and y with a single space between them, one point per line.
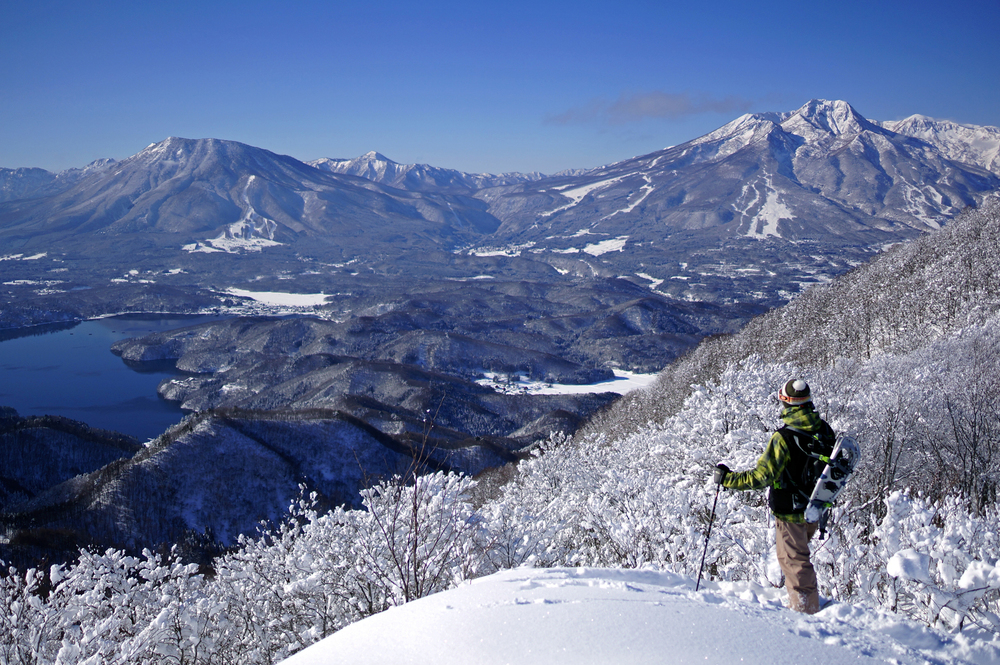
pixel 785 469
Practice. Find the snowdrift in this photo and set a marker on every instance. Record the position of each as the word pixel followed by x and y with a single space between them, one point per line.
pixel 603 615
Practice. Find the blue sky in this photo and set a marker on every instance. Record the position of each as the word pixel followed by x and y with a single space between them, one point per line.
pixel 476 86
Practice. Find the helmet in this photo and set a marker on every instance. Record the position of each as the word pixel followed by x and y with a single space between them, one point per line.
pixel 795 393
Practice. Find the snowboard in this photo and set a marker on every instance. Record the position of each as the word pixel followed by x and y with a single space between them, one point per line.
pixel 838 470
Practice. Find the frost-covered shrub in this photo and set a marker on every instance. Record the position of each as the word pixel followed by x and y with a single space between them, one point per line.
pixel 939 562
pixel 644 499
pixel 271 597
pixel 318 573
pixel 285 590
pixel 106 606
pixel 414 539
pixel 26 623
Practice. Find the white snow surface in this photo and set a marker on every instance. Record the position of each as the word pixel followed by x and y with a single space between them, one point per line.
pixel 769 209
pixel 909 564
pixel 623 383
pixel 22 257
pixel 602 615
pixel 280 299
pixel 605 246
pixel 577 194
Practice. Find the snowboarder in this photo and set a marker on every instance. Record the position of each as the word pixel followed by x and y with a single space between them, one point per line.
pixel 787 467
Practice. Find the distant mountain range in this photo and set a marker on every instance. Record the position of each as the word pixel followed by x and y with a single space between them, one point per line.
pixel 221 195
pixel 419 177
pixel 822 172
pixel 751 214
pixel 31 183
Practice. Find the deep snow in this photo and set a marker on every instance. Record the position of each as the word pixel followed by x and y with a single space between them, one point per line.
pixel 600 615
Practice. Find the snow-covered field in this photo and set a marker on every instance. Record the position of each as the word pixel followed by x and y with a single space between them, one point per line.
pixel 602 615
pixel 279 299
pixel 624 382
pixel 605 246
pixel 22 257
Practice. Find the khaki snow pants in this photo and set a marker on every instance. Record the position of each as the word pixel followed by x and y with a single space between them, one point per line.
pixel 793 557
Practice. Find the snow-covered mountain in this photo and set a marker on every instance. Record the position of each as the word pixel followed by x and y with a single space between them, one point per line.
pixel 751 213
pixel 28 183
pixel 970 144
pixel 820 172
pixel 418 177
pixel 215 195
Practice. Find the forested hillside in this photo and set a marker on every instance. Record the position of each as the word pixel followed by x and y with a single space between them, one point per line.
pixel 907 298
pixel 901 353
pixel 41 451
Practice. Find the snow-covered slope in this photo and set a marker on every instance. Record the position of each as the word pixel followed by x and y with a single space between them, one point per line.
pixel 970 144
pixel 822 171
pixel 28 183
pixel 586 615
pixel 225 195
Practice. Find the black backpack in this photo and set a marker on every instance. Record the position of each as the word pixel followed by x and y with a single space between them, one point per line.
pixel 809 453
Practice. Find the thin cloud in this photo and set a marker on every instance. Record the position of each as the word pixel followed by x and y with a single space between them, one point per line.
pixel 581 114
pixel 656 105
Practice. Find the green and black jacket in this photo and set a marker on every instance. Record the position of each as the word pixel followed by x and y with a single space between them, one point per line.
pixel 775 466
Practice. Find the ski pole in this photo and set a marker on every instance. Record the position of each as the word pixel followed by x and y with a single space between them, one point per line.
pixel 707 536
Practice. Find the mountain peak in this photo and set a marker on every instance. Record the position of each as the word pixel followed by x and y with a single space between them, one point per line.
pixel 835 117
pixel 372 156
pixel 979 145
pixel 175 147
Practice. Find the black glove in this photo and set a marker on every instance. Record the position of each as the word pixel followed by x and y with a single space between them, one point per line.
pixel 721 471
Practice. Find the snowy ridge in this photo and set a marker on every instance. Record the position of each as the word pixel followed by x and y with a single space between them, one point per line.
pixel 738 133
pixel 821 172
pixel 27 183
pixel 211 195
pixel 597 615
pixel 378 168
pixel 820 118
pixel 972 144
